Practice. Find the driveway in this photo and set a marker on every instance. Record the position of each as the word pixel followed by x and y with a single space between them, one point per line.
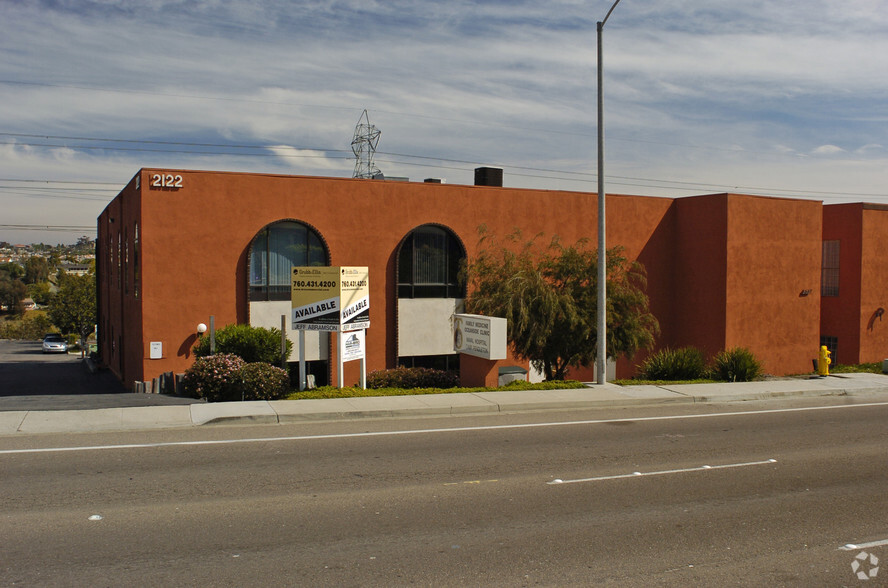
pixel 33 380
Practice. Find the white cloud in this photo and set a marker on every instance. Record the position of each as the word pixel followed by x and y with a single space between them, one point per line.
pixel 714 93
pixel 870 148
pixel 828 150
pixel 308 158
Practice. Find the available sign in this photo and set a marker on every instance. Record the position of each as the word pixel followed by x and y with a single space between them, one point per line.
pixel 354 286
pixel 480 336
pixel 330 298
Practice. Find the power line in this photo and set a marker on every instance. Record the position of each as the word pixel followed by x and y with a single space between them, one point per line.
pixel 322 153
pixel 60 182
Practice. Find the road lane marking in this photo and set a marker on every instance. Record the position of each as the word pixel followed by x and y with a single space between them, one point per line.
pixel 663 472
pixel 856 546
pixel 432 431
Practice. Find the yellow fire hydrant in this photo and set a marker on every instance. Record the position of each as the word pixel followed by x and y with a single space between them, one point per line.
pixel 824 361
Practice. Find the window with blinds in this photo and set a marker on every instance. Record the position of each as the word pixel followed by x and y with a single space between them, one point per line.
pixel 275 250
pixel 829 269
pixel 428 264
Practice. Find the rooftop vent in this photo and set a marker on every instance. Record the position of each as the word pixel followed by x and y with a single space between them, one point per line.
pixel 489 176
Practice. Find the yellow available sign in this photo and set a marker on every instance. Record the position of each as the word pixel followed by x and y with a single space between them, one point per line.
pixel 330 298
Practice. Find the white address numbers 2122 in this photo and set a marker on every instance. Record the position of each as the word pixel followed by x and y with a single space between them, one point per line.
pixel 166 181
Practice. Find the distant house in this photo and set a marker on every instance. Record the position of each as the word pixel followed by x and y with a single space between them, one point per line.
pixel 29 304
pixel 76 269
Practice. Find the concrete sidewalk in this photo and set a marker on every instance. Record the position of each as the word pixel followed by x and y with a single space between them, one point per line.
pixel 289 411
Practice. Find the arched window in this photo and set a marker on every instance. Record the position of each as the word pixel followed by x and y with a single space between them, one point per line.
pixel 273 253
pixel 428 264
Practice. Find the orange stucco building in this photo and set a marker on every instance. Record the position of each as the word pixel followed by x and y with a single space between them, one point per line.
pixel 855 242
pixel 179 246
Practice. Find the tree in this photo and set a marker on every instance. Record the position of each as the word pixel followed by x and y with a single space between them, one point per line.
pixel 252 344
pixel 73 308
pixel 36 269
pixel 40 293
pixel 12 269
pixel 548 296
pixel 12 292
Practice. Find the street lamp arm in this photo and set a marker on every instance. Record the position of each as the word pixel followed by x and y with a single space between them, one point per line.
pixel 601 24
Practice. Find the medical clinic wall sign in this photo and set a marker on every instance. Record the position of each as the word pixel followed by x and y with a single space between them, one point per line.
pixel 330 298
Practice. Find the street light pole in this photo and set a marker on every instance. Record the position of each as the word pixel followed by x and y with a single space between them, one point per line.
pixel 601 308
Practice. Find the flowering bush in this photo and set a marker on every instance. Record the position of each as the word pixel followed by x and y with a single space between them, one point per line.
pixel 404 377
pixel 213 377
pixel 260 381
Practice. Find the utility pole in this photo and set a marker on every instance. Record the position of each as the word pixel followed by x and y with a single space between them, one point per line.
pixel 601 354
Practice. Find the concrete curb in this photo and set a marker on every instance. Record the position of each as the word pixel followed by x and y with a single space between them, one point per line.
pixel 256 411
pixel 105 419
pixel 478 403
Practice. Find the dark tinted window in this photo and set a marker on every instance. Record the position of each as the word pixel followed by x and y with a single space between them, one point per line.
pixel 274 252
pixel 428 264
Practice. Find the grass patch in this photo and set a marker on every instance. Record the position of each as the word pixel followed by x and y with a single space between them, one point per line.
pixel 357 392
pixel 861 368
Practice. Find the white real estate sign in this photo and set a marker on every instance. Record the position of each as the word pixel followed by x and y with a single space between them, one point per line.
pixel 480 336
pixel 353 345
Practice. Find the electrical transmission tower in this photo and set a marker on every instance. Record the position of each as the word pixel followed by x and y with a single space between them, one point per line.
pixel 364 148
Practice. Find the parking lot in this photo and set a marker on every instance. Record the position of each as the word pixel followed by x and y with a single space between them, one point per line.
pixel 33 380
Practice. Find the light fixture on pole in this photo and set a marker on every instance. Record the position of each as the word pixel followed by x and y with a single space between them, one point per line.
pixel 601 307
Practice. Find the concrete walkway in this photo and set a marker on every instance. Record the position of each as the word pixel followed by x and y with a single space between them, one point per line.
pixel 289 411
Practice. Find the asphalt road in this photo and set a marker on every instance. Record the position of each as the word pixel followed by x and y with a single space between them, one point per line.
pixel 456 502
pixel 33 380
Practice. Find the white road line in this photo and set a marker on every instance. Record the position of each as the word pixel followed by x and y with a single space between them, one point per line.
pixel 856 546
pixel 664 472
pixel 441 430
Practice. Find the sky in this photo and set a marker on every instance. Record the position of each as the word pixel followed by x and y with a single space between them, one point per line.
pixel 785 99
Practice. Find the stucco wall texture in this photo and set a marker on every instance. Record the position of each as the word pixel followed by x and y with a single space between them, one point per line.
pixel 855 316
pixel 723 270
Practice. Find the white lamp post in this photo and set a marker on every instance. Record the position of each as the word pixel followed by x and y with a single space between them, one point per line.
pixel 601 309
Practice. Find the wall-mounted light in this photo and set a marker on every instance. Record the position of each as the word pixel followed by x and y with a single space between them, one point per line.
pixel 201 329
pixel 804 293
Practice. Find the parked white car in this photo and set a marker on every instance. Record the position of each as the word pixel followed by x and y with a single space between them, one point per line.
pixel 54 343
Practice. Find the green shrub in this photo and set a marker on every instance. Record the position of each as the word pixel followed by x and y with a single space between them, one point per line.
pixel 736 365
pixel 214 378
pixel 261 381
pixel 252 344
pixel 35 325
pixel 686 363
pixel 404 377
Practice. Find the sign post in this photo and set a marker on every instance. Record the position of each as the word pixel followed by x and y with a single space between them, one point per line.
pixel 333 299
